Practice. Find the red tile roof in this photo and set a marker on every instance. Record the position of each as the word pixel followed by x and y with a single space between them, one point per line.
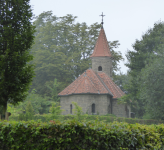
pixel 93 83
pixel 115 90
pixel 101 47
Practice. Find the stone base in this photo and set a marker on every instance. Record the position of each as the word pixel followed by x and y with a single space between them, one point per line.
pixel 94 104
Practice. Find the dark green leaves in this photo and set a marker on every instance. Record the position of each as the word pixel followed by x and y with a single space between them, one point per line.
pixel 146 50
pixel 16 36
pixel 152 88
pixel 75 135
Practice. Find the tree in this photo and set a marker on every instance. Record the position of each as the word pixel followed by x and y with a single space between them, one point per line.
pixel 55 109
pixel 152 89
pixel 117 56
pixel 41 105
pixel 54 91
pixel 145 50
pixel 62 50
pixel 16 38
pixel 28 114
pixel 122 80
pixel 29 111
pixel 77 111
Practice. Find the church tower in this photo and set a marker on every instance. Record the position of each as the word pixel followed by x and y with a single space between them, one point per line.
pixel 94 90
pixel 102 57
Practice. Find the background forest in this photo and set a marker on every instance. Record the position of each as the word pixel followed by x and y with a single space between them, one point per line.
pixel 61 53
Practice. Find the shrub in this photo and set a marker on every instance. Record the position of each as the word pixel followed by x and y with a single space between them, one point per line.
pixel 74 135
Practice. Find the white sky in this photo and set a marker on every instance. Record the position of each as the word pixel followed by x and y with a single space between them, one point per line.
pixel 125 20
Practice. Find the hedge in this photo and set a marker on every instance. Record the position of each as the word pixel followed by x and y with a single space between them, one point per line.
pixel 74 135
pixel 107 118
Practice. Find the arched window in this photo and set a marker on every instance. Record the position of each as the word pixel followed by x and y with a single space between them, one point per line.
pixel 71 109
pixel 99 68
pixel 93 108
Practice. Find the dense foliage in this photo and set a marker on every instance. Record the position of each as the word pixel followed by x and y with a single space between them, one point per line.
pixel 40 105
pixel 121 80
pixel 152 88
pixel 79 135
pixel 146 78
pixel 16 38
pixel 62 49
pixel 106 118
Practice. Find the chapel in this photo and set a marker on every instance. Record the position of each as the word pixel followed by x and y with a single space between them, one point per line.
pixel 94 90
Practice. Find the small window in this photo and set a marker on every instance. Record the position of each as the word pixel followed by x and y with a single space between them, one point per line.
pixel 99 68
pixel 71 109
pixel 93 108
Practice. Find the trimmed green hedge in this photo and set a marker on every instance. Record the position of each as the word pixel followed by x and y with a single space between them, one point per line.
pixel 74 135
pixel 107 118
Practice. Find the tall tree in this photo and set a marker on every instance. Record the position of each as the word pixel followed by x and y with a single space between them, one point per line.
pixel 122 80
pixel 53 91
pixel 151 92
pixel 16 38
pixel 62 49
pixel 145 50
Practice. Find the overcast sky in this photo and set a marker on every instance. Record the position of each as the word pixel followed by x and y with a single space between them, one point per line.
pixel 125 20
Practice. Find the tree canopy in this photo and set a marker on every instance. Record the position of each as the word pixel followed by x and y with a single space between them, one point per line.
pixel 145 52
pixel 152 88
pixel 16 38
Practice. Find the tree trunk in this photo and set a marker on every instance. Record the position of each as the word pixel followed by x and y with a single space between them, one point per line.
pixel 4 110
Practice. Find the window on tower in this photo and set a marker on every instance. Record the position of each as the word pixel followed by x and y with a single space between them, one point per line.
pixel 99 68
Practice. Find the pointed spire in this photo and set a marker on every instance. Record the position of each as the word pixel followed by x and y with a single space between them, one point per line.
pixel 102 46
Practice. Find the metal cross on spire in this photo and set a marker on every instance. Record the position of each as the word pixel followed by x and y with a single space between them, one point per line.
pixel 102 19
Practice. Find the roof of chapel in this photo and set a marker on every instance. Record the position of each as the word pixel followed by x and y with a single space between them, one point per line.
pixel 91 82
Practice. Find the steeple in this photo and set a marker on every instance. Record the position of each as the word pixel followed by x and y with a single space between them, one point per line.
pixel 102 56
pixel 101 47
